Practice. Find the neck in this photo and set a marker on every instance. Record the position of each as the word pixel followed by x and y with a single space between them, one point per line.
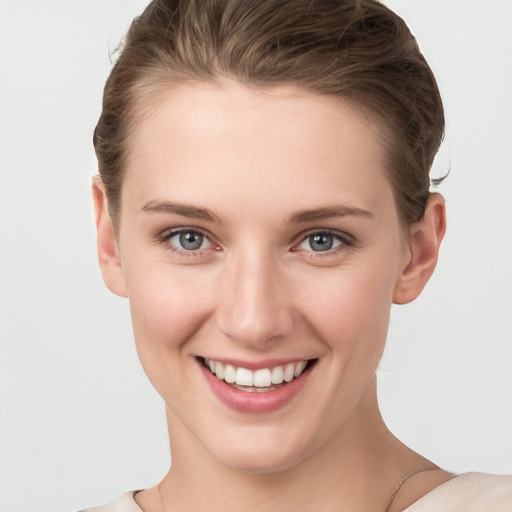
pixel 362 455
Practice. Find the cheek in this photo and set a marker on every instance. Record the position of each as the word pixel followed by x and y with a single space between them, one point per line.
pixel 167 308
pixel 350 311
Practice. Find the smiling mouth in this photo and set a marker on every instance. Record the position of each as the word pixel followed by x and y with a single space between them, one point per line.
pixel 257 381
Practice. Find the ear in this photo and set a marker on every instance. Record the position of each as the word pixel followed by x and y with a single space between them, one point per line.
pixel 426 237
pixel 108 251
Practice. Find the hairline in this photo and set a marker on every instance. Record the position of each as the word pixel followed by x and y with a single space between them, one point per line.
pixel 145 104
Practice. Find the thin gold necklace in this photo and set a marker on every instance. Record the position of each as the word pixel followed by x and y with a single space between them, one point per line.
pixel 395 492
pixel 162 499
pixel 399 486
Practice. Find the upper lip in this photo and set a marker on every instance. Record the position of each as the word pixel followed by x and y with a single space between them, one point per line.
pixel 257 365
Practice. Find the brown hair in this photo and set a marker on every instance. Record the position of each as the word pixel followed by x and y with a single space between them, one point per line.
pixel 357 50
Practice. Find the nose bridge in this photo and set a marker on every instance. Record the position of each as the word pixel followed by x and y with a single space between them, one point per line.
pixel 255 308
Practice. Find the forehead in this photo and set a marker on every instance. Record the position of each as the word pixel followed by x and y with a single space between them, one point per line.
pixel 200 138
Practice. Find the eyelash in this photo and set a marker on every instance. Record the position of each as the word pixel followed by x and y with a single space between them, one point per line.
pixel 165 237
pixel 346 241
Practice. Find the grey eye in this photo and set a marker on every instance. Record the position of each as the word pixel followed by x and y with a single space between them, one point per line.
pixel 189 240
pixel 320 242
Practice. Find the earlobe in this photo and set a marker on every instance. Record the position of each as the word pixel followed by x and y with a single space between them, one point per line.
pixel 426 238
pixel 108 251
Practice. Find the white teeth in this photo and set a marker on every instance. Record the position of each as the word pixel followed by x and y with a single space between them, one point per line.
pixel 258 380
pixel 277 375
pixel 263 390
pixel 244 377
pixel 262 378
pixel 252 389
pixel 299 368
pixel 219 371
pixel 230 374
pixel 289 372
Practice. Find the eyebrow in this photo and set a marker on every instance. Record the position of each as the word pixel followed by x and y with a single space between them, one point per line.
pixel 329 212
pixel 194 212
pixel 309 215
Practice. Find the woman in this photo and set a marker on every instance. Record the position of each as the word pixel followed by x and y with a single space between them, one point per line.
pixel 263 199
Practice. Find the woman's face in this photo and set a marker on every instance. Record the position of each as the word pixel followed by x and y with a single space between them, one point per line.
pixel 258 231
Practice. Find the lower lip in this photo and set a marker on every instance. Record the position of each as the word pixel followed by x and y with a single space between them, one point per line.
pixel 254 402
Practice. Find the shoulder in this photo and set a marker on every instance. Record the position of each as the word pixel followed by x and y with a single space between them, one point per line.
pixel 470 492
pixel 125 503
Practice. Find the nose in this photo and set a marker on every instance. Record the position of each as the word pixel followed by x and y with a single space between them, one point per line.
pixel 255 304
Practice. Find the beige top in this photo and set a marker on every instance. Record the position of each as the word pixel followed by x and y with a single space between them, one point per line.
pixel 470 492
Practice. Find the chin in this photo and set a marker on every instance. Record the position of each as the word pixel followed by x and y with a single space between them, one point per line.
pixel 263 453
pixel 261 464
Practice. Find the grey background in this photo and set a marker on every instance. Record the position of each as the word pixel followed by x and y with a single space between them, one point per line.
pixel 79 423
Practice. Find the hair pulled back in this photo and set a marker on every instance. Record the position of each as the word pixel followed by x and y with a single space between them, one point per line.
pixel 356 50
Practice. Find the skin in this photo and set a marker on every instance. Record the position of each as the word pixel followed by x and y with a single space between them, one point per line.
pixel 256 290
